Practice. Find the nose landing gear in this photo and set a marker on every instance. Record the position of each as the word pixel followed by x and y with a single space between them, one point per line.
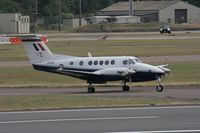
pixel 159 87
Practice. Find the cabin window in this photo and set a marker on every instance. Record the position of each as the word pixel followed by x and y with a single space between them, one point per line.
pixel 71 63
pixel 90 63
pixel 106 62
pixel 81 63
pixel 125 62
pixel 101 62
pixel 95 62
pixel 112 62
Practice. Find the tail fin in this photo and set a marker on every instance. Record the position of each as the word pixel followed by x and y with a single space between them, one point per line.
pixel 36 49
pixel 35 46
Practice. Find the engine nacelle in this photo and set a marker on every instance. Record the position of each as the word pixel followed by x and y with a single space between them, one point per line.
pixel 115 71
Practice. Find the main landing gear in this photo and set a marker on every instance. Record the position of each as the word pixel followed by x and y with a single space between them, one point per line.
pixel 125 87
pixel 91 89
pixel 159 87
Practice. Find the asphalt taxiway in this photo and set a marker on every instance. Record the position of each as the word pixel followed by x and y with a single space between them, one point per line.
pixel 173 92
pixel 149 119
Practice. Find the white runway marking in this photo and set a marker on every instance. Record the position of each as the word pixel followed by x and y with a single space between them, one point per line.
pixel 78 119
pixel 162 131
pixel 100 109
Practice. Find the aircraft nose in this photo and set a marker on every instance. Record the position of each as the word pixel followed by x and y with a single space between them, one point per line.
pixel 158 70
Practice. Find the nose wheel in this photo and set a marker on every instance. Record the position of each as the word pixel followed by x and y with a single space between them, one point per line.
pixel 159 88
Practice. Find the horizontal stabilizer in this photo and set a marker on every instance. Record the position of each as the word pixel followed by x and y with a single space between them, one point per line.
pixel 19 39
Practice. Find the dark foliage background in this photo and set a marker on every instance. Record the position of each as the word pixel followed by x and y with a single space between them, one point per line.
pixel 70 8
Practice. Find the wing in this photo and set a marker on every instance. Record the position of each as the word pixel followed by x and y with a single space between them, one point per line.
pixel 77 73
pixel 98 73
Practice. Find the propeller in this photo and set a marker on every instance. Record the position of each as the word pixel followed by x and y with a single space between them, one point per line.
pixel 130 72
pixel 165 69
pixel 168 71
pixel 130 81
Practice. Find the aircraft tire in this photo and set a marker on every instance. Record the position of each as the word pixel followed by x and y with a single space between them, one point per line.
pixel 125 88
pixel 159 88
pixel 91 90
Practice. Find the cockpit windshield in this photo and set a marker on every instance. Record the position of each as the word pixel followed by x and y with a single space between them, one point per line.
pixel 135 60
pixel 131 61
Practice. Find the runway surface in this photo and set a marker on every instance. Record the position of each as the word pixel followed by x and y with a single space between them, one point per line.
pixel 149 119
pixel 172 92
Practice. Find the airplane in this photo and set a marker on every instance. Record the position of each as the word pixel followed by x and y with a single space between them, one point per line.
pixel 94 70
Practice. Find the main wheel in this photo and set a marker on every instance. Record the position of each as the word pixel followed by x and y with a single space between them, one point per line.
pixel 125 88
pixel 91 90
pixel 159 88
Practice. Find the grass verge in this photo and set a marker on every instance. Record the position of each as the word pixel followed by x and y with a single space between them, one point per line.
pixel 34 102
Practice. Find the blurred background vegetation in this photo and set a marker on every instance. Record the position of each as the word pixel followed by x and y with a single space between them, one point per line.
pixel 70 8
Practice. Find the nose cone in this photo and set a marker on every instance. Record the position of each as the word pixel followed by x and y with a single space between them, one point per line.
pixel 158 70
pixel 150 68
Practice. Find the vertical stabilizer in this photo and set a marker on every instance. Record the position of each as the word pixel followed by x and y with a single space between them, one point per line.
pixel 36 48
pixel 37 51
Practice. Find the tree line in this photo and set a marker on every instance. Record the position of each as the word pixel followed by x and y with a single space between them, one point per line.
pixel 70 8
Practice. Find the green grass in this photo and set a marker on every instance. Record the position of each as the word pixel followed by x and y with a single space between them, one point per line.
pixel 32 102
pixel 109 48
pixel 27 76
pixel 184 73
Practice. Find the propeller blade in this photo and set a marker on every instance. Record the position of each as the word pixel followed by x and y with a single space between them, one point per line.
pixel 171 73
pixel 130 81
pixel 164 76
